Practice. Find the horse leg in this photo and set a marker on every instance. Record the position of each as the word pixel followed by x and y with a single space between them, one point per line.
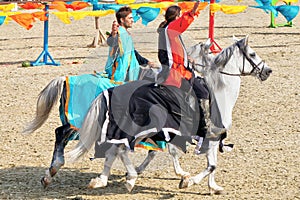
pixel 212 161
pixel 101 181
pixel 177 168
pixel 211 156
pixel 62 135
pixel 131 173
pixel 151 154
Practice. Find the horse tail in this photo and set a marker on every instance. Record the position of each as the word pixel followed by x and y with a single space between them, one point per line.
pixel 93 128
pixel 48 97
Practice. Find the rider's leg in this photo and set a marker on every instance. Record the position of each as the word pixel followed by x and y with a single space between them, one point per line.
pixel 206 127
pixel 212 130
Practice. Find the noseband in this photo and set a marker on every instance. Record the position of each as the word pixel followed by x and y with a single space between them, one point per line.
pixel 255 68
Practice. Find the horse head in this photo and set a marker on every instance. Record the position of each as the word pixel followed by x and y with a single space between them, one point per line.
pixel 241 52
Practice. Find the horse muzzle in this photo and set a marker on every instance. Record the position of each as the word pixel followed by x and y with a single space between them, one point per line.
pixel 264 75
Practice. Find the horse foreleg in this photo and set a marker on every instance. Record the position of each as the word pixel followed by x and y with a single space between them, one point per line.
pixel 131 172
pixel 151 154
pixel 211 156
pixel 212 161
pixel 187 181
pixel 101 181
pixel 62 135
pixel 177 168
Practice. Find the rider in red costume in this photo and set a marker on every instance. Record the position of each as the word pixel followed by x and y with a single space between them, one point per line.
pixel 176 67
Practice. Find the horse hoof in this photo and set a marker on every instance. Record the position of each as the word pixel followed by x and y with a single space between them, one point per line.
pixel 216 191
pixel 45 182
pixel 185 182
pixel 138 171
pixel 130 184
pixel 97 183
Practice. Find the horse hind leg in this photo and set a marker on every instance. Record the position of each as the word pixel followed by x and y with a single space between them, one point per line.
pixel 62 135
pixel 101 181
pixel 177 168
pixel 141 168
pixel 131 172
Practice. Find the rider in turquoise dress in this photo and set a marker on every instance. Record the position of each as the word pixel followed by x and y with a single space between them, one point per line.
pixel 123 65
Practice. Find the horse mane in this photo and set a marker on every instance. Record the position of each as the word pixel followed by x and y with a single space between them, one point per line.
pixel 213 76
pixel 223 57
pixel 211 65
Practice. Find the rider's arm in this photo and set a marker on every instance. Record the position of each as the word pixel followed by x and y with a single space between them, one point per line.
pixel 141 59
pixel 112 41
pixel 179 25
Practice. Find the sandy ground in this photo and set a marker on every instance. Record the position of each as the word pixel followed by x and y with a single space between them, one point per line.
pixel 263 165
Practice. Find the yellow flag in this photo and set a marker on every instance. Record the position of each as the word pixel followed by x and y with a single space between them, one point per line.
pixel 63 16
pixel 290 1
pixel 7 7
pixel 100 13
pixel 227 9
pixel 124 1
pixel 77 15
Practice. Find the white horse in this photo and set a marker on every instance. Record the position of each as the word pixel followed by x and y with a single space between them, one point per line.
pixel 225 99
pixel 235 61
pixel 240 54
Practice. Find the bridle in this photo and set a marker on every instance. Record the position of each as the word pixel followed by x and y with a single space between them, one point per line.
pixel 255 67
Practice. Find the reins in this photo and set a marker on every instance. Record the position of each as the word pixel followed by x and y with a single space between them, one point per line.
pixel 254 66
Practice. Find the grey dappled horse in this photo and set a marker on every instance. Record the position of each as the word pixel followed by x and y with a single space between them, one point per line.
pixel 224 83
pixel 49 96
pixel 61 88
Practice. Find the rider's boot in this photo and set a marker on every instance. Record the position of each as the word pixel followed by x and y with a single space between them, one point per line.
pixel 211 130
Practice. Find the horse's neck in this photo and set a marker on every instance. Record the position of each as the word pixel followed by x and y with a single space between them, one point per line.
pixel 235 60
pixel 224 99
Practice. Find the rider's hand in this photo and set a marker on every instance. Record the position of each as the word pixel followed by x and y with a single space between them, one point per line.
pixel 191 60
pixel 195 7
pixel 114 28
pixel 153 65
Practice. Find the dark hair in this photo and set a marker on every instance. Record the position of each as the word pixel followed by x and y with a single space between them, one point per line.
pixel 171 13
pixel 122 13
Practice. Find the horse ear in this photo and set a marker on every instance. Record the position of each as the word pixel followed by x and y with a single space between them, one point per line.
pixel 246 40
pixel 208 44
pixel 234 38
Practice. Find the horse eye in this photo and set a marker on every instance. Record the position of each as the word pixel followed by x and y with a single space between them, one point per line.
pixel 252 54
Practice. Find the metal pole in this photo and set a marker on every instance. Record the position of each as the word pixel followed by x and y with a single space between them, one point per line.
pixel 45 53
pixel 211 31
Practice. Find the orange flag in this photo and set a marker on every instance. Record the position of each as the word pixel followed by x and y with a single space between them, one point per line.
pixel 24 19
pixel 187 6
pixel 77 5
pixel 40 15
pixel 30 5
pixel 58 5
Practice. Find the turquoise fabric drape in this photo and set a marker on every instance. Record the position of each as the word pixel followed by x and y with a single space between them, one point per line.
pixel 124 59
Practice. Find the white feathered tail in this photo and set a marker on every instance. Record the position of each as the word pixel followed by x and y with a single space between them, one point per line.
pixel 48 97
